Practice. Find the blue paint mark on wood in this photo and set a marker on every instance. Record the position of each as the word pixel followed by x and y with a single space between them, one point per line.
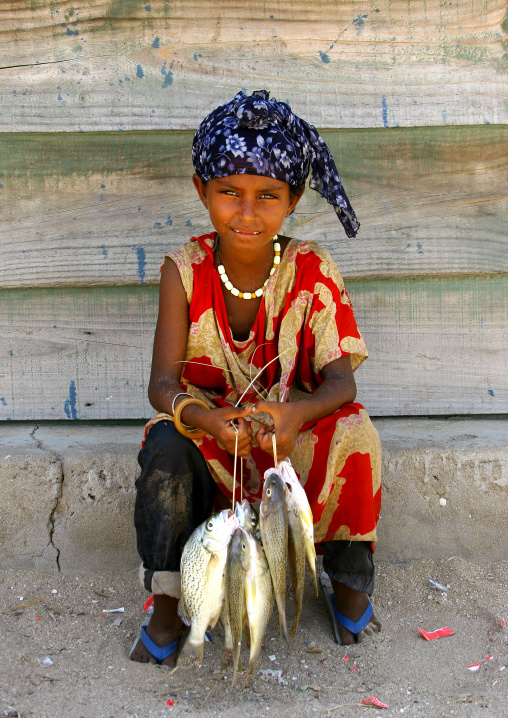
pixel 188 223
pixel 59 96
pixel 101 197
pixel 360 22
pixel 385 112
pixel 148 8
pixel 139 71
pixel 445 117
pixel 491 392
pixel 169 220
pixel 168 76
pixel 10 353
pixel 140 253
pixel 70 403
pixel 156 42
pixel 324 57
pixel 104 251
pixel 4 403
pixel 419 247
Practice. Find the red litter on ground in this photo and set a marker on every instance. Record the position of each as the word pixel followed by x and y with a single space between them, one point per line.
pixel 37 618
pixel 170 703
pixel 474 667
pixel 351 664
pixel 148 603
pixel 440 633
pixel 373 701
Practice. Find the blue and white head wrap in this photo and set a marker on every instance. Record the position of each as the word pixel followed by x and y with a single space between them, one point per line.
pixel 258 136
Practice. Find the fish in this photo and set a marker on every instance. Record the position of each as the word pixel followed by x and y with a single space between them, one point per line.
pixel 238 566
pixel 273 521
pixel 248 517
pixel 259 600
pixel 202 568
pixel 302 502
pixel 296 556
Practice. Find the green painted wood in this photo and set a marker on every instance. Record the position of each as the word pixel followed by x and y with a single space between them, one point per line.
pixel 102 208
pixel 122 64
pixel 437 346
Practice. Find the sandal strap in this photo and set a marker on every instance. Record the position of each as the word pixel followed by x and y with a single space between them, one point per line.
pixel 158 652
pixel 354 627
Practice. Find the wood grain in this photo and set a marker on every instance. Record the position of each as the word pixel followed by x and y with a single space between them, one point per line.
pixel 102 208
pixel 436 347
pixel 123 64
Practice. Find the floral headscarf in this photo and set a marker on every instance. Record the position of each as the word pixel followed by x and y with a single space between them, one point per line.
pixel 256 135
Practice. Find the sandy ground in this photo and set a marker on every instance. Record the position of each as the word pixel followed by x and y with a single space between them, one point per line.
pixel 62 657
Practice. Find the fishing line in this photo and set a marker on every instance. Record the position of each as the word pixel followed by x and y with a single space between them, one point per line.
pixel 234 468
pixel 274 446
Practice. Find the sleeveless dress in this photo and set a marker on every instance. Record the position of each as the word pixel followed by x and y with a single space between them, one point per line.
pixel 305 321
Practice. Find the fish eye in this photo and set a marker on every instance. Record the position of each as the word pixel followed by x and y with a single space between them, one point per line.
pixel 268 492
pixel 253 520
pixel 243 547
pixel 209 525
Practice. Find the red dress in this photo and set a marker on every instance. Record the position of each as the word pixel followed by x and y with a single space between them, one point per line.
pixel 306 320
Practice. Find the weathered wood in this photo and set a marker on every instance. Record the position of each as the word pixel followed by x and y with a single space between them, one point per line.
pixel 131 65
pixel 436 347
pixel 102 208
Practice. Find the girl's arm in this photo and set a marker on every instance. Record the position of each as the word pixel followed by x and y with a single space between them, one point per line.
pixel 169 349
pixel 337 389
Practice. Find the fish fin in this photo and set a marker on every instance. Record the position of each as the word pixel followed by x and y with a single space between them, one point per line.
pixel 182 612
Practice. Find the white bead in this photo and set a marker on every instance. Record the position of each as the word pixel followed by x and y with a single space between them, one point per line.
pixel 229 285
pixel 224 277
pixel 276 260
pixel 247 295
pixel 272 270
pixel 258 292
pixel 276 247
pixel 235 291
pixel 221 269
pixel 264 285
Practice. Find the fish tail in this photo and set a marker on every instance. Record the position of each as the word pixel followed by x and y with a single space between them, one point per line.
pixel 191 653
pixel 282 623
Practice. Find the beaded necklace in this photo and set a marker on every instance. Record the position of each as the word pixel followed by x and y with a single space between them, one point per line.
pixel 259 292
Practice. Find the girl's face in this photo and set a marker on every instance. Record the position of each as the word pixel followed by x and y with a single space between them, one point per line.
pixel 247 211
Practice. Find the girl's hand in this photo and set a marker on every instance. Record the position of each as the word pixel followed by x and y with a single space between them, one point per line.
pixel 221 424
pixel 286 420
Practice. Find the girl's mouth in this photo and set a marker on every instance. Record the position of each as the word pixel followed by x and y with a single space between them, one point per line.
pixel 246 232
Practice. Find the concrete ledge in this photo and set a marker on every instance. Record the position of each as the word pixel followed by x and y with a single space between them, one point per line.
pixel 67 493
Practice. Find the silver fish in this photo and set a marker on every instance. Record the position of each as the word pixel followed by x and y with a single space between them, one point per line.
pixel 202 574
pixel 300 497
pixel 274 533
pixel 259 599
pixel 248 517
pixel 238 566
pixel 296 556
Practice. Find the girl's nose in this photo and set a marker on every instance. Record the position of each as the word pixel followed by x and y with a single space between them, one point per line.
pixel 247 209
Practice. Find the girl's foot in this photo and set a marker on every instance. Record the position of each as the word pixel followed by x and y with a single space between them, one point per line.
pixel 164 626
pixel 352 604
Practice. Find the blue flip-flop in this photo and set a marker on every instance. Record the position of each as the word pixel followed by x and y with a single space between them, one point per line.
pixel 355 627
pixel 160 653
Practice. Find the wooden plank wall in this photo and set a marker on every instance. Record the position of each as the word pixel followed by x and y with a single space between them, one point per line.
pixel 98 103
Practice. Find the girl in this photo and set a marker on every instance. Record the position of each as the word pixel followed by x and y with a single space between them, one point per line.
pixel 246 302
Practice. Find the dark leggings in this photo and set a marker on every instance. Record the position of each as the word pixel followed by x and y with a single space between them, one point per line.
pixel 175 493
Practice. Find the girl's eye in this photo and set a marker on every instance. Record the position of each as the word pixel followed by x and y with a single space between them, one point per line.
pixel 268 196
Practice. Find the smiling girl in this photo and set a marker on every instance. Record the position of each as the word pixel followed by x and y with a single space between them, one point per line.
pixel 246 301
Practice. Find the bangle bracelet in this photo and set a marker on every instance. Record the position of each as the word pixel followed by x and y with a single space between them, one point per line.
pixel 182 393
pixel 196 433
